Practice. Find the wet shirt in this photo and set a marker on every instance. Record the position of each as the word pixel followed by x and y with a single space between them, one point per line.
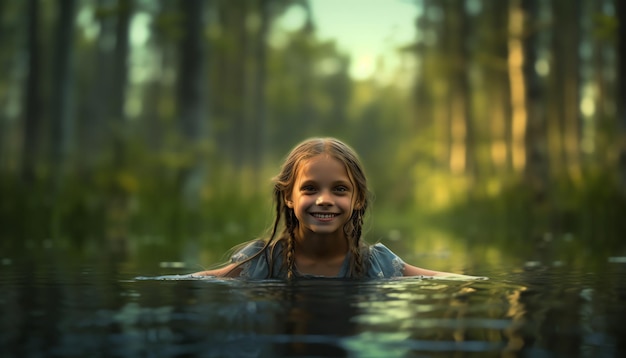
pixel 380 262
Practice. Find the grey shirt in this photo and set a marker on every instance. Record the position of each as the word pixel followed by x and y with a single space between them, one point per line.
pixel 380 262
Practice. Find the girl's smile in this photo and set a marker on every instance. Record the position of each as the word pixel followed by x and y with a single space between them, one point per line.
pixel 324 218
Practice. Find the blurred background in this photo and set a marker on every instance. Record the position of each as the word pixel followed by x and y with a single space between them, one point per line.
pixel 149 130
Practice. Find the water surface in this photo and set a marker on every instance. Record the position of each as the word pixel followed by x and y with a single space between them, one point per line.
pixel 52 307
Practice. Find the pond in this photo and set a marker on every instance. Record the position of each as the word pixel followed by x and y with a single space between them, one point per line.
pixel 52 306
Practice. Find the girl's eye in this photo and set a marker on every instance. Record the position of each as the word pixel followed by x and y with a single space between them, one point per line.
pixel 308 188
pixel 341 189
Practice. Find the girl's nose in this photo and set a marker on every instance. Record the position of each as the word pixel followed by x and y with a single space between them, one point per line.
pixel 322 200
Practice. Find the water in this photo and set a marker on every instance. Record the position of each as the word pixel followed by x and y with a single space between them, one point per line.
pixel 52 307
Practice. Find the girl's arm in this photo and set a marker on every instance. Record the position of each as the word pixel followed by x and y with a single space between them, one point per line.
pixel 226 271
pixel 410 270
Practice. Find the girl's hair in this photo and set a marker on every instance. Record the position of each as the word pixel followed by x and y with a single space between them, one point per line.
pixel 283 184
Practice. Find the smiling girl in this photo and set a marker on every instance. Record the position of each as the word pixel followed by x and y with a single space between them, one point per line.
pixel 321 197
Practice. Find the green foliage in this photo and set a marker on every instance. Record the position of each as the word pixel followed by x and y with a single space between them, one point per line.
pixel 566 221
pixel 605 27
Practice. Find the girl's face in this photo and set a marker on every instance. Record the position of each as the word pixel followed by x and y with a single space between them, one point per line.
pixel 322 197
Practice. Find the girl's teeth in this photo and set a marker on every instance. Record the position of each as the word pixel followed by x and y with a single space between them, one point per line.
pixel 323 216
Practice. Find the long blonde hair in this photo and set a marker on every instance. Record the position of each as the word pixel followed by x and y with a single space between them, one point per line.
pixel 283 184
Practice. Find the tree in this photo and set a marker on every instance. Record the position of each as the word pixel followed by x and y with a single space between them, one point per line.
pixel 32 100
pixel 118 93
pixel 621 93
pixel 536 170
pixel 118 200
pixel 192 97
pixel 455 39
pixel 497 95
pixel 62 108
pixel 565 76
pixel 430 93
pixel 517 82
pixel 96 133
pixel 259 74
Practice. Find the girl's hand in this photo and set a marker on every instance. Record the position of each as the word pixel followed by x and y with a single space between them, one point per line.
pixel 410 270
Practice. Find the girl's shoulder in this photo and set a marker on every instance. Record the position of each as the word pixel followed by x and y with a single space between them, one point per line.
pixel 247 250
pixel 383 262
pixel 256 256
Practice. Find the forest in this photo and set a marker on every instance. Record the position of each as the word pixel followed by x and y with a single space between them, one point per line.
pixel 151 127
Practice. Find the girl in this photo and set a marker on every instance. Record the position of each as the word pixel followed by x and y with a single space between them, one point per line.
pixel 321 197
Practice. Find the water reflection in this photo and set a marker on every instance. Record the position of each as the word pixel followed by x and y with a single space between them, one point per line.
pixel 67 310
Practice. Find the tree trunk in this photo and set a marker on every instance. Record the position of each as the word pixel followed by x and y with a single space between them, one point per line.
pixel 518 85
pixel 566 37
pixel 462 140
pixel 536 173
pixel 606 96
pixel 621 93
pixel 432 111
pixel 118 203
pixel 4 123
pixel 192 95
pixel 32 99
pixel 62 116
pixel 95 133
pixel 307 118
pixel 497 85
pixel 239 77
pixel 571 87
pixel 259 108
pixel 120 82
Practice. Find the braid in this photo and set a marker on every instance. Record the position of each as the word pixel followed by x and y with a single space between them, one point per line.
pixel 353 233
pixel 290 257
pixel 290 252
pixel 270 259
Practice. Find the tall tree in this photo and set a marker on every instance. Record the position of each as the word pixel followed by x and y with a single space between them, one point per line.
pixel 259 73
pixel 536 171
pixel 96 134
pixel 461 130
pixel 621 93
pixel 118 201
pixel 430 116
pixel 518 85
pixel 422 94
pixel 4 29
pixel 234 81
pixel 601 38
pixel 165 43
pixel 117 118
pixel 192 99
pixel 307 116
pixel 32 99
pixel 62 116
pixel 498 94
pixel 566 83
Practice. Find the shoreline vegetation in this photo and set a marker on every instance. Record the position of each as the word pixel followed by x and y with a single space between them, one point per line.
pixel 577 225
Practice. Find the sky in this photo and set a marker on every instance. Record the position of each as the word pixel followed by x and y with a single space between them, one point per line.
pixel 365 29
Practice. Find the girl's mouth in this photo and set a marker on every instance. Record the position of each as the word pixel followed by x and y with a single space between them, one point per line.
pixel 324 215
